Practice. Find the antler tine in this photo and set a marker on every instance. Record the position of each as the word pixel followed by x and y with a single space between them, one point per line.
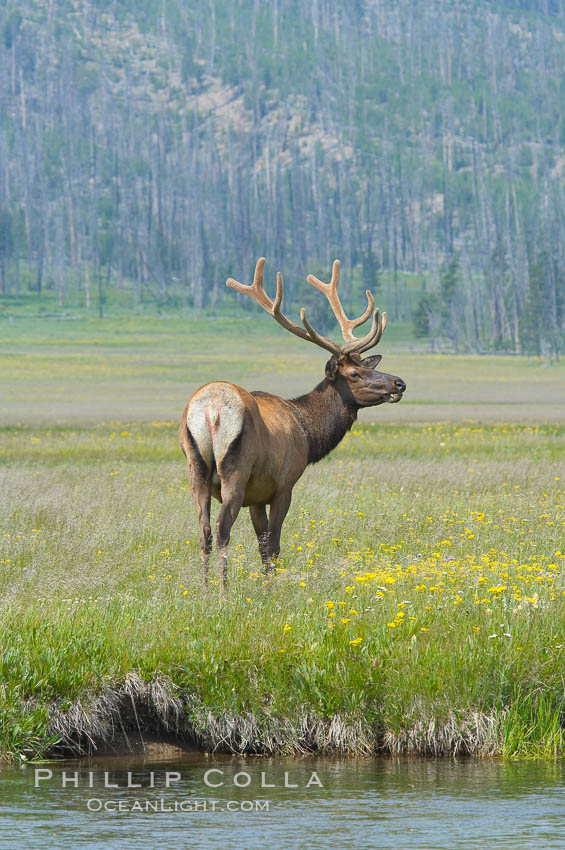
pixel 273 308
pixel 310 334
pixel 374 335
pixel 318 338
pixel 371 339
pixel 330 291
pixel 255 290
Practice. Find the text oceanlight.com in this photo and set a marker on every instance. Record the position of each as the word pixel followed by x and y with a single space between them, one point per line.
pixel 95 804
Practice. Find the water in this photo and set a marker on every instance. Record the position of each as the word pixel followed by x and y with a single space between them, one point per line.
pixel 354 803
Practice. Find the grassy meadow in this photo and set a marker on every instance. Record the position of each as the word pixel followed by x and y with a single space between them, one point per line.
pixel 418 603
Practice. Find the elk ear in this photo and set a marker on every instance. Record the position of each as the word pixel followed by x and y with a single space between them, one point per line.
pixel 332 367
pixel 372 362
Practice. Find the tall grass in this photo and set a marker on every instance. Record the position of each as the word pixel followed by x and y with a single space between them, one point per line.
pixel 418 604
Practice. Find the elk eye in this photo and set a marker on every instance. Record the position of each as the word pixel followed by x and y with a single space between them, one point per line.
pixel 354 375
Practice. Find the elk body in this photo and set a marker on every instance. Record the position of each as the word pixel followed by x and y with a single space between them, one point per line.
pixel 248 449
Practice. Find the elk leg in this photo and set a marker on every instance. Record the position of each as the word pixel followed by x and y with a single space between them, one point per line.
pixel 261 526
pixel 201 497
pixel 205 537
pixel 232 499
pixel 199 476
pixel 279 509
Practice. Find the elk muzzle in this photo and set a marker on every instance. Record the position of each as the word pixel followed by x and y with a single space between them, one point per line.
pixel 399 389
pixel 382 388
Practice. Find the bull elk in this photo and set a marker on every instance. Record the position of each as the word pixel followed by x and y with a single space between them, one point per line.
pixel 248 449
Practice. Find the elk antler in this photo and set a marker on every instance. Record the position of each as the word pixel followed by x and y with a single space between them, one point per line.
pixel 257 292
pixel 353 344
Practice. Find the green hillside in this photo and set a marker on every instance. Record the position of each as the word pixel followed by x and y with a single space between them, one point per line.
pixel 148 150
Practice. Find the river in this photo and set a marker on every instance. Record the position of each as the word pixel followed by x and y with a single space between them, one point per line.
pixel 216 801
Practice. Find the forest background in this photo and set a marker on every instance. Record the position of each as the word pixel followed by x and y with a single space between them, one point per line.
pixel 151 148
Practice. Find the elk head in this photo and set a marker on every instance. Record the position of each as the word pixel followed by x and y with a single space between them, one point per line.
pixel 356 380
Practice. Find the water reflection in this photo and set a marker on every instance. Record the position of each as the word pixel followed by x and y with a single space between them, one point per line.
pixel 197 801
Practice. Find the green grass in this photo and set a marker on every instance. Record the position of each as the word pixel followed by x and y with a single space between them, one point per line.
pixel 439 543
pixel 445 563
pixel 144 369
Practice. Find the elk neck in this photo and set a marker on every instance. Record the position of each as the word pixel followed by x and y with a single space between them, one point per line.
pixel 326 415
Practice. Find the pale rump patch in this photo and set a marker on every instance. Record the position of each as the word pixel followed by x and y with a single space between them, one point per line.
pixel 215 418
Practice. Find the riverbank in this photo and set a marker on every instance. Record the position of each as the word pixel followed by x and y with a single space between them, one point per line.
pixel 418 606
pixel 136 716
